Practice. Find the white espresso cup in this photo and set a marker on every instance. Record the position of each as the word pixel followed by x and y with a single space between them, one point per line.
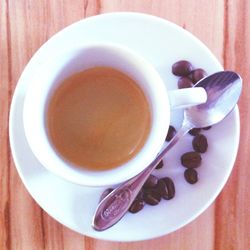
pixel 77 59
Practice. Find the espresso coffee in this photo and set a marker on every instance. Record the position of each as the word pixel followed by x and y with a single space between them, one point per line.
pixel 98 119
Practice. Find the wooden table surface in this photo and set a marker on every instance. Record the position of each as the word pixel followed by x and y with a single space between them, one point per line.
pixel 223 25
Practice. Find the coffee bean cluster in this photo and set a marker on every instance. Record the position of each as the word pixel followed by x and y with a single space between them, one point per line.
pixel 155 189
pixel 193 159
pixel 152 192
pixel 188 75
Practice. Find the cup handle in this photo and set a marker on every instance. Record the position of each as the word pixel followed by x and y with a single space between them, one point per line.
pixel 182 98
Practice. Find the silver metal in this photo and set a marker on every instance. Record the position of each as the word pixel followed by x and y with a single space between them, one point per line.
pixel 223 91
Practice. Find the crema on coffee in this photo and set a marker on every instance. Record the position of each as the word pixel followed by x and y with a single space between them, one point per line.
pixel 98 118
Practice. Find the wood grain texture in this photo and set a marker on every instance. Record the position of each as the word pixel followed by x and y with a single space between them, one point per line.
pixel 232 207
pixel 4 151
pixel 224 26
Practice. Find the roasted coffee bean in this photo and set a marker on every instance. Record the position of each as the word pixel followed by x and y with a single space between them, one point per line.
pixel 197 74
pixel 136 206
pixel 194 131
pixel 160 165
pixel 151 182
pixel 191 175
pixel 184 82
pixel 191 160
pixel 151 196
pixel 105 193
pixel 182 68
pixel 200 143
pixel 166 188
pixel 207 128
pixel 171 133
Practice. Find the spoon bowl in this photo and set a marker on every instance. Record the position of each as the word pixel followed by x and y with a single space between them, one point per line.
pixel 223 91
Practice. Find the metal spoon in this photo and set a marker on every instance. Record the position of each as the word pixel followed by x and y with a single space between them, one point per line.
pixel 223 91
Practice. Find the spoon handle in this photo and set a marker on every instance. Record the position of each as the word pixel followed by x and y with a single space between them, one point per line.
pixel 112 208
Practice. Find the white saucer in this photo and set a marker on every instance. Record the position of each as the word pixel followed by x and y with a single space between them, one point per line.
pixel 162 43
